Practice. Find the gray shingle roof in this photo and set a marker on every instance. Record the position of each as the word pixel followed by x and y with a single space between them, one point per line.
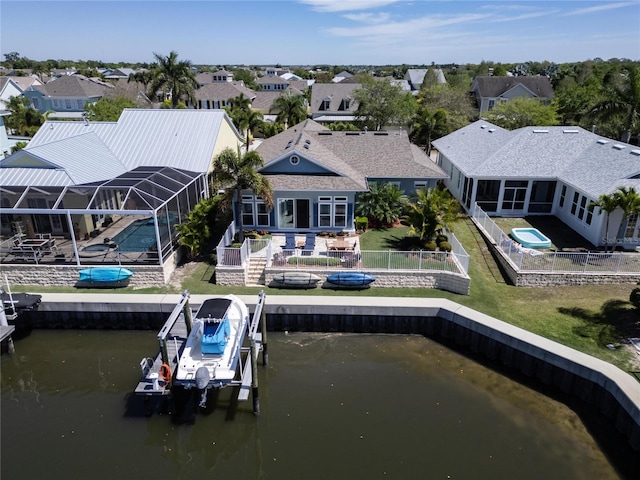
pixel 572 155
pixel 353 156
pixel 496 86
pixel 75 86
pixel 337 92
pixel 222 91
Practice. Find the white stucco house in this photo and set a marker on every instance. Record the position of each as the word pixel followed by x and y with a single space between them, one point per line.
pixel 542 171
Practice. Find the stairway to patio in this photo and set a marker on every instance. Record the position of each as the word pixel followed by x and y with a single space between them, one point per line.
pixel 255 274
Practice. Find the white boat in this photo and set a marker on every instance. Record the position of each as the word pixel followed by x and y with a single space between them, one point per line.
pixel 212 350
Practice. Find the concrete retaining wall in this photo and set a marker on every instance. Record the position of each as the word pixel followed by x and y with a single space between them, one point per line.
pixel 550 279
pixel 451 282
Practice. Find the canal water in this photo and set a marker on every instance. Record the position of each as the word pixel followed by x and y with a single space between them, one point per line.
pixel 339 406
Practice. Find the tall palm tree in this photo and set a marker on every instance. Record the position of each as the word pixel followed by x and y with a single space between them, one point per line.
pixel 145 77
pixel 429 126
pixel 174 77
pixel 607 204
pixel 248 121
pixel 628 199
pixel 622 100
pixel 236 172
pixel 291 108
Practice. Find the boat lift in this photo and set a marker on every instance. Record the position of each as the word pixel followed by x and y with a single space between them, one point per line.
pixel 156 381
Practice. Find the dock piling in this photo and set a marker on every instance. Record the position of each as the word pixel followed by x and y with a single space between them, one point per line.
pixel 254 376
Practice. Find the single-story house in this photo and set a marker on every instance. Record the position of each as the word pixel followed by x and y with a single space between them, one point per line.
pixel 542 171
pixel 489 90
pixel 316 175
pixel 150 163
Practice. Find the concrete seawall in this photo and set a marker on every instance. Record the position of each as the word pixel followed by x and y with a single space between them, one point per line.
pixel 589 380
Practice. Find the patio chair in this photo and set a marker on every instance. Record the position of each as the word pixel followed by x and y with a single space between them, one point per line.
pixel 310 241
pixel 290 241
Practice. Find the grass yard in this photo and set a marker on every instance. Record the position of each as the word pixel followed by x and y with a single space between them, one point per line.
pixel 582 317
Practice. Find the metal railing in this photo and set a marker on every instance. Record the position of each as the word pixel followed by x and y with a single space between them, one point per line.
pixel 528 259
pixel 362 260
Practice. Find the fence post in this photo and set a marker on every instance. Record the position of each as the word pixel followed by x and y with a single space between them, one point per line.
pixel 553 264
pixel 620 257
pixel 389 261
pixel 586 262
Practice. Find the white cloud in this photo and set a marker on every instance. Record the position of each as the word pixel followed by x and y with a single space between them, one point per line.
pixel 367 17
pixel 600 8
pixel 345 5
pixel 524 16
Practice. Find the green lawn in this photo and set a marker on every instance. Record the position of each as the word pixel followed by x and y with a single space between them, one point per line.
pixel 582 317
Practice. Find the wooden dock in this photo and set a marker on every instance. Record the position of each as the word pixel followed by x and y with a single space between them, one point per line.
pixel 6 331
pixel 172 337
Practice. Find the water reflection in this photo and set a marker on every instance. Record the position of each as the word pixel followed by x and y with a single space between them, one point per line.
pixel 332 406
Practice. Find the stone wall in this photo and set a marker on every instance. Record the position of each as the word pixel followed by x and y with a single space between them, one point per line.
pixel 67 275
pixel 550 279
pixel 451 282
pixel 231 276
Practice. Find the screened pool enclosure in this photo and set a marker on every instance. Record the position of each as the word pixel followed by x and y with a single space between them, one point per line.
pixel 129 219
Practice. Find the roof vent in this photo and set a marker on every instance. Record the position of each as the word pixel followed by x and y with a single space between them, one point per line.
pixel 539 130
pixel 483 126
pixel 617 146
pixel 325 133
pixel 381 133
pixel 570 131
pixel 288 144
pixel 491 130
pixel 306 145
pixel 635 152
pixel 307 141
pixel 353 133
pixel 602 141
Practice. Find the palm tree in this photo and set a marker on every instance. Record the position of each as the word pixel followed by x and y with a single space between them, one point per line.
pixel 432 210
pixel 607 204
pixel 236 172
pixel 241 103
pixel 248 122
pixel 382 203
pixel 174 77
pixel 622 101
pixel 429 126
pixel 291 109
pixel 628 199
pixel 145 77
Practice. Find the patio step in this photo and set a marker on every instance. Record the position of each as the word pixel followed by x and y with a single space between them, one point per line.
pixel 255 274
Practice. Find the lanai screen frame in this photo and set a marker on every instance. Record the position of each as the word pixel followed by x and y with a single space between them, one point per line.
pixel 159 192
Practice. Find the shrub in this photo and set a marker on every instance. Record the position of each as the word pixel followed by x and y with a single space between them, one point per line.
pixel 441 238
pixel 362 223
pixel 430 246
pixel 314 261
pixel 444 246
pixel 634 297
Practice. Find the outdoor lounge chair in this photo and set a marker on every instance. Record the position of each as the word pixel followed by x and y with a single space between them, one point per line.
pixel 290 241
pixel 310 241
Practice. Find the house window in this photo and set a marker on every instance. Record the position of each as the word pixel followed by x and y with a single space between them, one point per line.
pixel 574 204
pixel 332 212
pixel 294 160
pixel 67 103
pixel 563 194
pixel 397 184
pixel 589 213
pixel 542 193
pixel 56 103
pixel 487 195
pixel 80 104
pixel 247 210
pixel 632 225
pixel 254 211
pixel 326 103
pixel 492 103
pixel 286 213
pixel 419 185
pixel 583 204
pixel 36 103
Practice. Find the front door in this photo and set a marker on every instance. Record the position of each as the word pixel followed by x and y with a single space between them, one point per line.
pixel 302 213
pixel 515 194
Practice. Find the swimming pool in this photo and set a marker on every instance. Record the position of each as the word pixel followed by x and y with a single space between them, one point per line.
pixel 137 237
pixel 530 238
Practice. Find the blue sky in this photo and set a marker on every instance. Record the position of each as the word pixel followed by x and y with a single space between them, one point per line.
pixel 312 32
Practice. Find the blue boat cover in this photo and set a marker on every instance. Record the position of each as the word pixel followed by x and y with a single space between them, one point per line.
pixel 215 336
